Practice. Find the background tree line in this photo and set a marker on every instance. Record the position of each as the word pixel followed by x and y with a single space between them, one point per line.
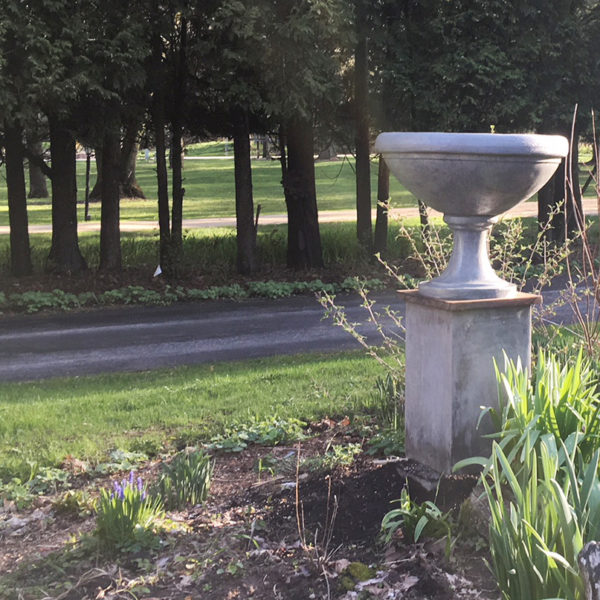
pixel 107 74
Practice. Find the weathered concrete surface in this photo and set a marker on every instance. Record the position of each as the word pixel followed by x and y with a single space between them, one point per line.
pixel 450 351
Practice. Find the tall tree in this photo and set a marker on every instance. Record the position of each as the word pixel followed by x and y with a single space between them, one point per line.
pixel 301 80
pixel 361 109
pixel 20 252
pixel 14 73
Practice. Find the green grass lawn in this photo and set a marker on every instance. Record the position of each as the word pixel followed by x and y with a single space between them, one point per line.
pixel 86 417
pixel 210 190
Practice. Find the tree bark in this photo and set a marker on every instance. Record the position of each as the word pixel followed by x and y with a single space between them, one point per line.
pixel 37 180
pixel 560 212
pixel 129 187
pixel 20 251
pixel 110 234
pixel 164 224
pixel 96 193
pixel 304 239
pixel 65 256
pixel 383 207
pixel 363 162
pixel 177 194
pixel 244 202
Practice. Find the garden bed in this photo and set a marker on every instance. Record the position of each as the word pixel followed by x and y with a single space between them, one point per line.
pixel 256 537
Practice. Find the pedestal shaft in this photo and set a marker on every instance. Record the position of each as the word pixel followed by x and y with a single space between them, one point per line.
pixel 450 352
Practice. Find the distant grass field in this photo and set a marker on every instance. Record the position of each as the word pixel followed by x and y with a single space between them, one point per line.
pixel 210 190
pixel 86 417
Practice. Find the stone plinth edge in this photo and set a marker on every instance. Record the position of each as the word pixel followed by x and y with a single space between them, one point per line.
pixel 520 299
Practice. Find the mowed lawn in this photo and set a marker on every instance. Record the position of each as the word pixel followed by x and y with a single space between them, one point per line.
pixel 86 417
pixel 210 190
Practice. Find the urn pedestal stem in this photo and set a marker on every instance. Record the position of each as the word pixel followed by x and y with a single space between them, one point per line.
pixel 469 273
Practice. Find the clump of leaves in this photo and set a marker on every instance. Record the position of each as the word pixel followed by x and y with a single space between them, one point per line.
pixel 341 455
pixel 266 432
pixel 125 515
pixel 41 480
pixel 416 520
pixel 186 480
pixel 389 442
pixel 74 503
pixel 120 460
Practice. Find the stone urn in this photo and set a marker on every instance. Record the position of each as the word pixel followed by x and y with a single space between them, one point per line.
pixel 472 178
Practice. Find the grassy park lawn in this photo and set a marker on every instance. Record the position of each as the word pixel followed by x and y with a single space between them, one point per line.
pixel 210 190
pixel 43 422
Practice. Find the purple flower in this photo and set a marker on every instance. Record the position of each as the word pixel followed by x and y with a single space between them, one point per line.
pixel 140 484
pixel 131 478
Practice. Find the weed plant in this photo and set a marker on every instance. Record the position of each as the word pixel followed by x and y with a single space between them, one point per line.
pixel 185 480
pixel 126 514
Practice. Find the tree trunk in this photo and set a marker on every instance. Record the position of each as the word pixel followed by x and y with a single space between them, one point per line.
pixel 304 239
pixel 244 202
pixel 65 256
pixel 96 193
pixel 424 218
pixel 37 180
pixel 164 224
pixel 177 194
pixel 176 153
pixel 129 187
pixel 560 198
pixel 383 207
pixel 20 252
pixel 110 234
pixel 363 163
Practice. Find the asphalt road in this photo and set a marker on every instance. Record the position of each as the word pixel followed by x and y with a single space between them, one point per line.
pixel 142 338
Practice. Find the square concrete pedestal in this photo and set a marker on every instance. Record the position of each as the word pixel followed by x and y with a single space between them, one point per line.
pixel 450 350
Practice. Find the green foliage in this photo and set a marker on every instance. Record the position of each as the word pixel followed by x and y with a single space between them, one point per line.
pixel 541 522
pixel 41 480
pixel 266 431
pixel 75 503
pixel 560 400
pixel 335 456
pixel 389 442
pixel 542 481
pixel 185 480
pixel 133 294
pixel 126 514
pixel 18 492
pixel 416 520
pixel 32 302
pixel 120 460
